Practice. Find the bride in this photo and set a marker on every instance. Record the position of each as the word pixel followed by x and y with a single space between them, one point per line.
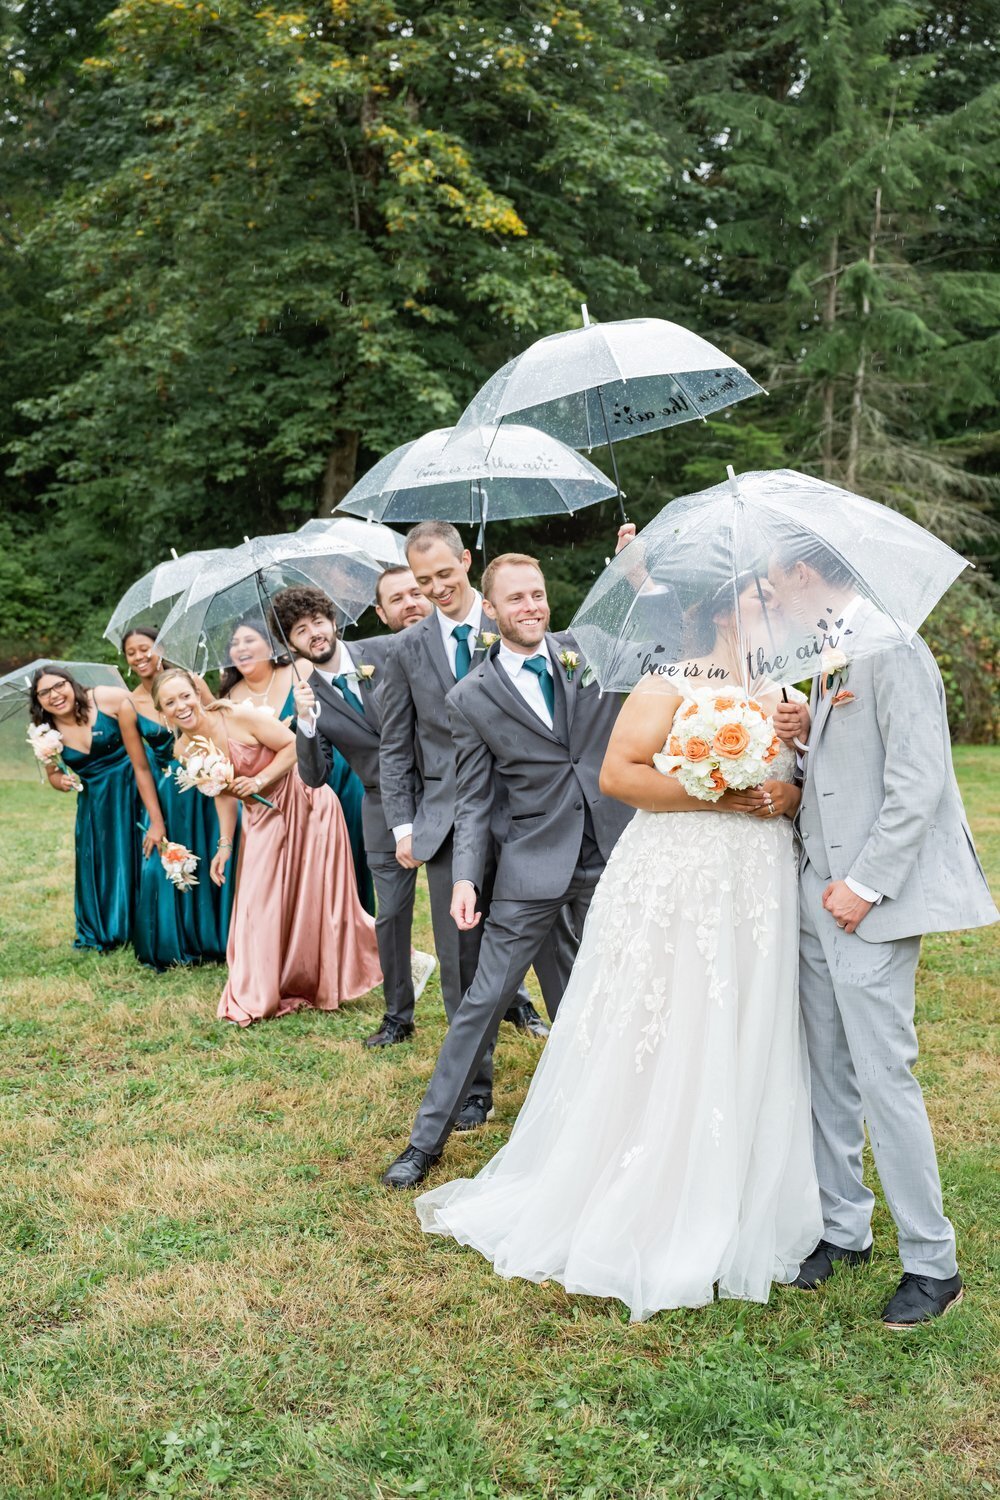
pixel 664 1148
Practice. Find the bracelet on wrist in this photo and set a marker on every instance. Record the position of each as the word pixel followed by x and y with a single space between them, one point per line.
pixel 224 844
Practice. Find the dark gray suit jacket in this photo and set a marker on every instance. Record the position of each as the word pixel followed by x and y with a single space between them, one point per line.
pixel 415 734
pixel 357 738
pixel 504 749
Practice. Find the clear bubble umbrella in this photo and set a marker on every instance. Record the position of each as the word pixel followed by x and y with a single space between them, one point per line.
pixel 380 542
pixel 151 597
pixel 608 381
pixel 237 589
pixel 768 578
pixel 15 686
pixel 484 473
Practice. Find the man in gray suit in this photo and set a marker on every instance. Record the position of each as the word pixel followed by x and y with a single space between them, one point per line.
pixel 886 856
pixel 421 670
pixel 338 706
pixel 527 729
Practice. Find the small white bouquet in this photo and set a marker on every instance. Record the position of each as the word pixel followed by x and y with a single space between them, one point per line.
pixel 719 742
pixel 179 864
pixel 47 746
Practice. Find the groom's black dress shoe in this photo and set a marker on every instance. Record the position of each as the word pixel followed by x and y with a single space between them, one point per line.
pixel 410 1168
pixel 475 1111
pixel 526 1018
pixel 917 1299
pixel 389 1033
pixel 818 1267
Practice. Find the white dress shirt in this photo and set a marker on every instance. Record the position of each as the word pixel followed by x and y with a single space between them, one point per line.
pixel 473 618
pixel 344 668
pixel 527 683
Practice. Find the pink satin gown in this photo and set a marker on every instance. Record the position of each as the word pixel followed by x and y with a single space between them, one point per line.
pixel 299 935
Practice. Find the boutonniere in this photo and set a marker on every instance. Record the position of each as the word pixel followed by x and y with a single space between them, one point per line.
pixel 834 664
pixel 570 661
pixel 486 639
pixel 365 673
pixel 843 697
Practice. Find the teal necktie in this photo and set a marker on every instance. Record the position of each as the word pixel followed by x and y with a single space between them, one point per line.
pixel 463 656
pixel 539 665
pixel 350 696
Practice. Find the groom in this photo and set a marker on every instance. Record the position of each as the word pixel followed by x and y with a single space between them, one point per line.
pixel 886 856
pixel 524 727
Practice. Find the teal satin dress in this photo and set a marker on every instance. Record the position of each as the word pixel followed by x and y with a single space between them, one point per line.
pixel 350 793
pixel 171 926
pixel 108 842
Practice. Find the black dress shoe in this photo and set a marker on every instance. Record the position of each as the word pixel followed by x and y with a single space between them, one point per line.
pixel 475 1111
pixel 389 1033
pixel 526 1018
pixel 917 1299
pixel 410 1168
pixel 818 1267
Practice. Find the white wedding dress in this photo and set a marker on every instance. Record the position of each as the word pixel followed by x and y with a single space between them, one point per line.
pixel 664 1147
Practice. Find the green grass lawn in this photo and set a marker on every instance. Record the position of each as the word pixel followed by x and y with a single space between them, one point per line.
pixel 207 1291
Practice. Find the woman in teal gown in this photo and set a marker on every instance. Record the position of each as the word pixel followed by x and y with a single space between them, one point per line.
pixel 256 677
pixel 102 747
pixel 171 926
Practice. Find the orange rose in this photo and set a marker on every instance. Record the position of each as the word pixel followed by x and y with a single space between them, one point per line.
pixel 723 704
pixel 693 709
pixel 751 703
pixel 731 741
pixel 772 750
pixel 174 854
pixel 674 745
pixel 696 749
pixel 718 781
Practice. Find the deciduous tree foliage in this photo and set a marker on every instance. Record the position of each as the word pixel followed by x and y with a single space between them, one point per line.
pixel 245 251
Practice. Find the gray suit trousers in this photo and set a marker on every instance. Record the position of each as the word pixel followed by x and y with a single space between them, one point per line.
pixel 857 1003
pixel 512 934
pixel 395 889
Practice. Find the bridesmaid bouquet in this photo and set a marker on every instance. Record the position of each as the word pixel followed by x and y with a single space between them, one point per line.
pixel 208 771
pixel 179 865
pixel 47 745
pixel 717 743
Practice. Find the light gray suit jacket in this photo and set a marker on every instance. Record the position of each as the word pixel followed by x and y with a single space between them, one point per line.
pixel 415 734
pixel 357 739
pixel 543 776
pixel 880 802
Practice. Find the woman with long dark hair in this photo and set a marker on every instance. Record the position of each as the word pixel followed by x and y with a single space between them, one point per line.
pixel 103 748
pixel 299 935
pixel 264 680
pixel 171 926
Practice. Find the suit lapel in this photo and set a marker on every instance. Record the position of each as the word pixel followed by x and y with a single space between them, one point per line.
pixel 435 650
pixel 563 680
pixel 329 696
pixel 505 695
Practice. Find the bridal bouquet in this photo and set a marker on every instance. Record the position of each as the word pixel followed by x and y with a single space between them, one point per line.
pixel 179 865
pixel 717 743
pixel 47 745
pixel 208 771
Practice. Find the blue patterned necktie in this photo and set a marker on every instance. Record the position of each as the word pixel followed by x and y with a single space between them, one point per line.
pixel 539 665
pixel 463 656
pixel 350 696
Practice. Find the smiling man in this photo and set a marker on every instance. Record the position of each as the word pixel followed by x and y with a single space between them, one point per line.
pixel 530 735
pixel 338 708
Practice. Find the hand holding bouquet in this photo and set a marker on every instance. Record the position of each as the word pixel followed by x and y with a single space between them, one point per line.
pixel 47 745
pixel 719 743
pixel 179 864
pixel 208 771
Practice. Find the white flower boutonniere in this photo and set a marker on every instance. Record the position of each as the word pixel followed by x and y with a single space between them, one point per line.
pixel 570 661
pixel 365 673
pixel 487 638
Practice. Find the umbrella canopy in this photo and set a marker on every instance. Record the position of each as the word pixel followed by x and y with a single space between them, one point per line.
pixel 15 687
pixel 769 578
pixel 149 600
pixel 608 381
pixel 483 473
pixel 238 587
pixel 380 542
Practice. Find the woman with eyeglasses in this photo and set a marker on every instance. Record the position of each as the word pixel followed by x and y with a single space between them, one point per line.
pixel 102 746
